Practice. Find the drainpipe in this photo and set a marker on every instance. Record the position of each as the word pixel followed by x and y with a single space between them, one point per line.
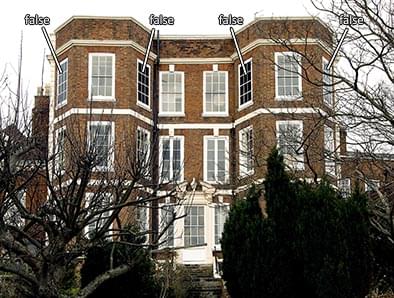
pixel 155 141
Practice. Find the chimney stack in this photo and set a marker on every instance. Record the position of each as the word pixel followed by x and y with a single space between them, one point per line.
pixel 40 120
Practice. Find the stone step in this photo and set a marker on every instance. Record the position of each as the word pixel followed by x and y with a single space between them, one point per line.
pixel 203 283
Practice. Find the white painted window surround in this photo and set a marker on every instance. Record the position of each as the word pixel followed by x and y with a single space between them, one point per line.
pixel 101 76
pixel 344 186
pixel 94 203
pixel 220 217
pixel 289 134
pixel 194 226
pixel 288 79
pixel 101 140
pixel 171 154
pixel 60 141
pixel 329 151
pixel 215 93
pixel 62 84
pixel 246 151
pixel 327 88
pixel 245 85
pixel 143 85
pixel 216 160
pixel 172 93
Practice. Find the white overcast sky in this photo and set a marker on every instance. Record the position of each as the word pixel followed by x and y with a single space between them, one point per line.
pixel 191 17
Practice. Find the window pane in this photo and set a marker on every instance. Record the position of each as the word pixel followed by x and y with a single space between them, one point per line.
pixel 194 226
pixel 62 83
pixel 100 142
pixel 245 82
pixel 215 92
pixel 288 76
pixel 171 92
pixel 102 75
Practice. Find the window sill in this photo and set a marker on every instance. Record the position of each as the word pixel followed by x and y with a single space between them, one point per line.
pixel 61 105
pixel 289 98
pixel 171 114
pixel 329 105
pixel 103 169
pixel 245 105
pixel 215 182
pixel 205 114
pixel 144 106
pixel 102 98
pixel 246 174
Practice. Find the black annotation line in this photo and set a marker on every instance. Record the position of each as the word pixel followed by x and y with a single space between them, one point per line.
pixel 238 50
pixel 152 33
pixel 44 31
pixel 334 55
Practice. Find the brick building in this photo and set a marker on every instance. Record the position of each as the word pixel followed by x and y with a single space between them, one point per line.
pixel 215 122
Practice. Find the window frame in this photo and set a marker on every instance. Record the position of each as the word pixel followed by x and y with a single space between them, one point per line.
pixel 13 212
pixel 164 224
pixel 217 246
pixel 188 213
pixel 176 113
pixel 147 154
pixel 329 161
pixel 249 103
pixel 297 164
pixel 88 196
pixel 64 102
pixel 140 103
pixel 90 73
pixel 348 191
pixel 57 163
pixel 277 67
pixel 146 206
pixel 326 92
pixel 368 183
pixel 243 159
pixel 111 156
pixel 227 174
pixel 182 144
pixel 221 113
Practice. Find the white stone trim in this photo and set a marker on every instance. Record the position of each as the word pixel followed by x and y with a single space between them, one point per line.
pixel 272 42
pixel 208 126
pixel 219 60
pixel 228 125
pixel 98 111
pixel 103 43
pixel 276 111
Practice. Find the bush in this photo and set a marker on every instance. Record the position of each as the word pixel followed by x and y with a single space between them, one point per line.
pixel 313 243
pixel 138 282
pixel 242 248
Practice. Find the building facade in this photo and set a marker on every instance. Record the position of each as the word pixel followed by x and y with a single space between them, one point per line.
pixel 208 122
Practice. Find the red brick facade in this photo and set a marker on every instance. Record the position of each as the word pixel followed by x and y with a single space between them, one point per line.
pixel 260 41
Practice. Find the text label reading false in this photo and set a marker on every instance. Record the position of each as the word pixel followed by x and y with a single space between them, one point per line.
pixel 161 20
pixel 37 20
pixel 230 20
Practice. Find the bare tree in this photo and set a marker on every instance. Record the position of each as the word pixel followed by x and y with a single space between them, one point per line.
pixel 54 207
pixel 357 93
